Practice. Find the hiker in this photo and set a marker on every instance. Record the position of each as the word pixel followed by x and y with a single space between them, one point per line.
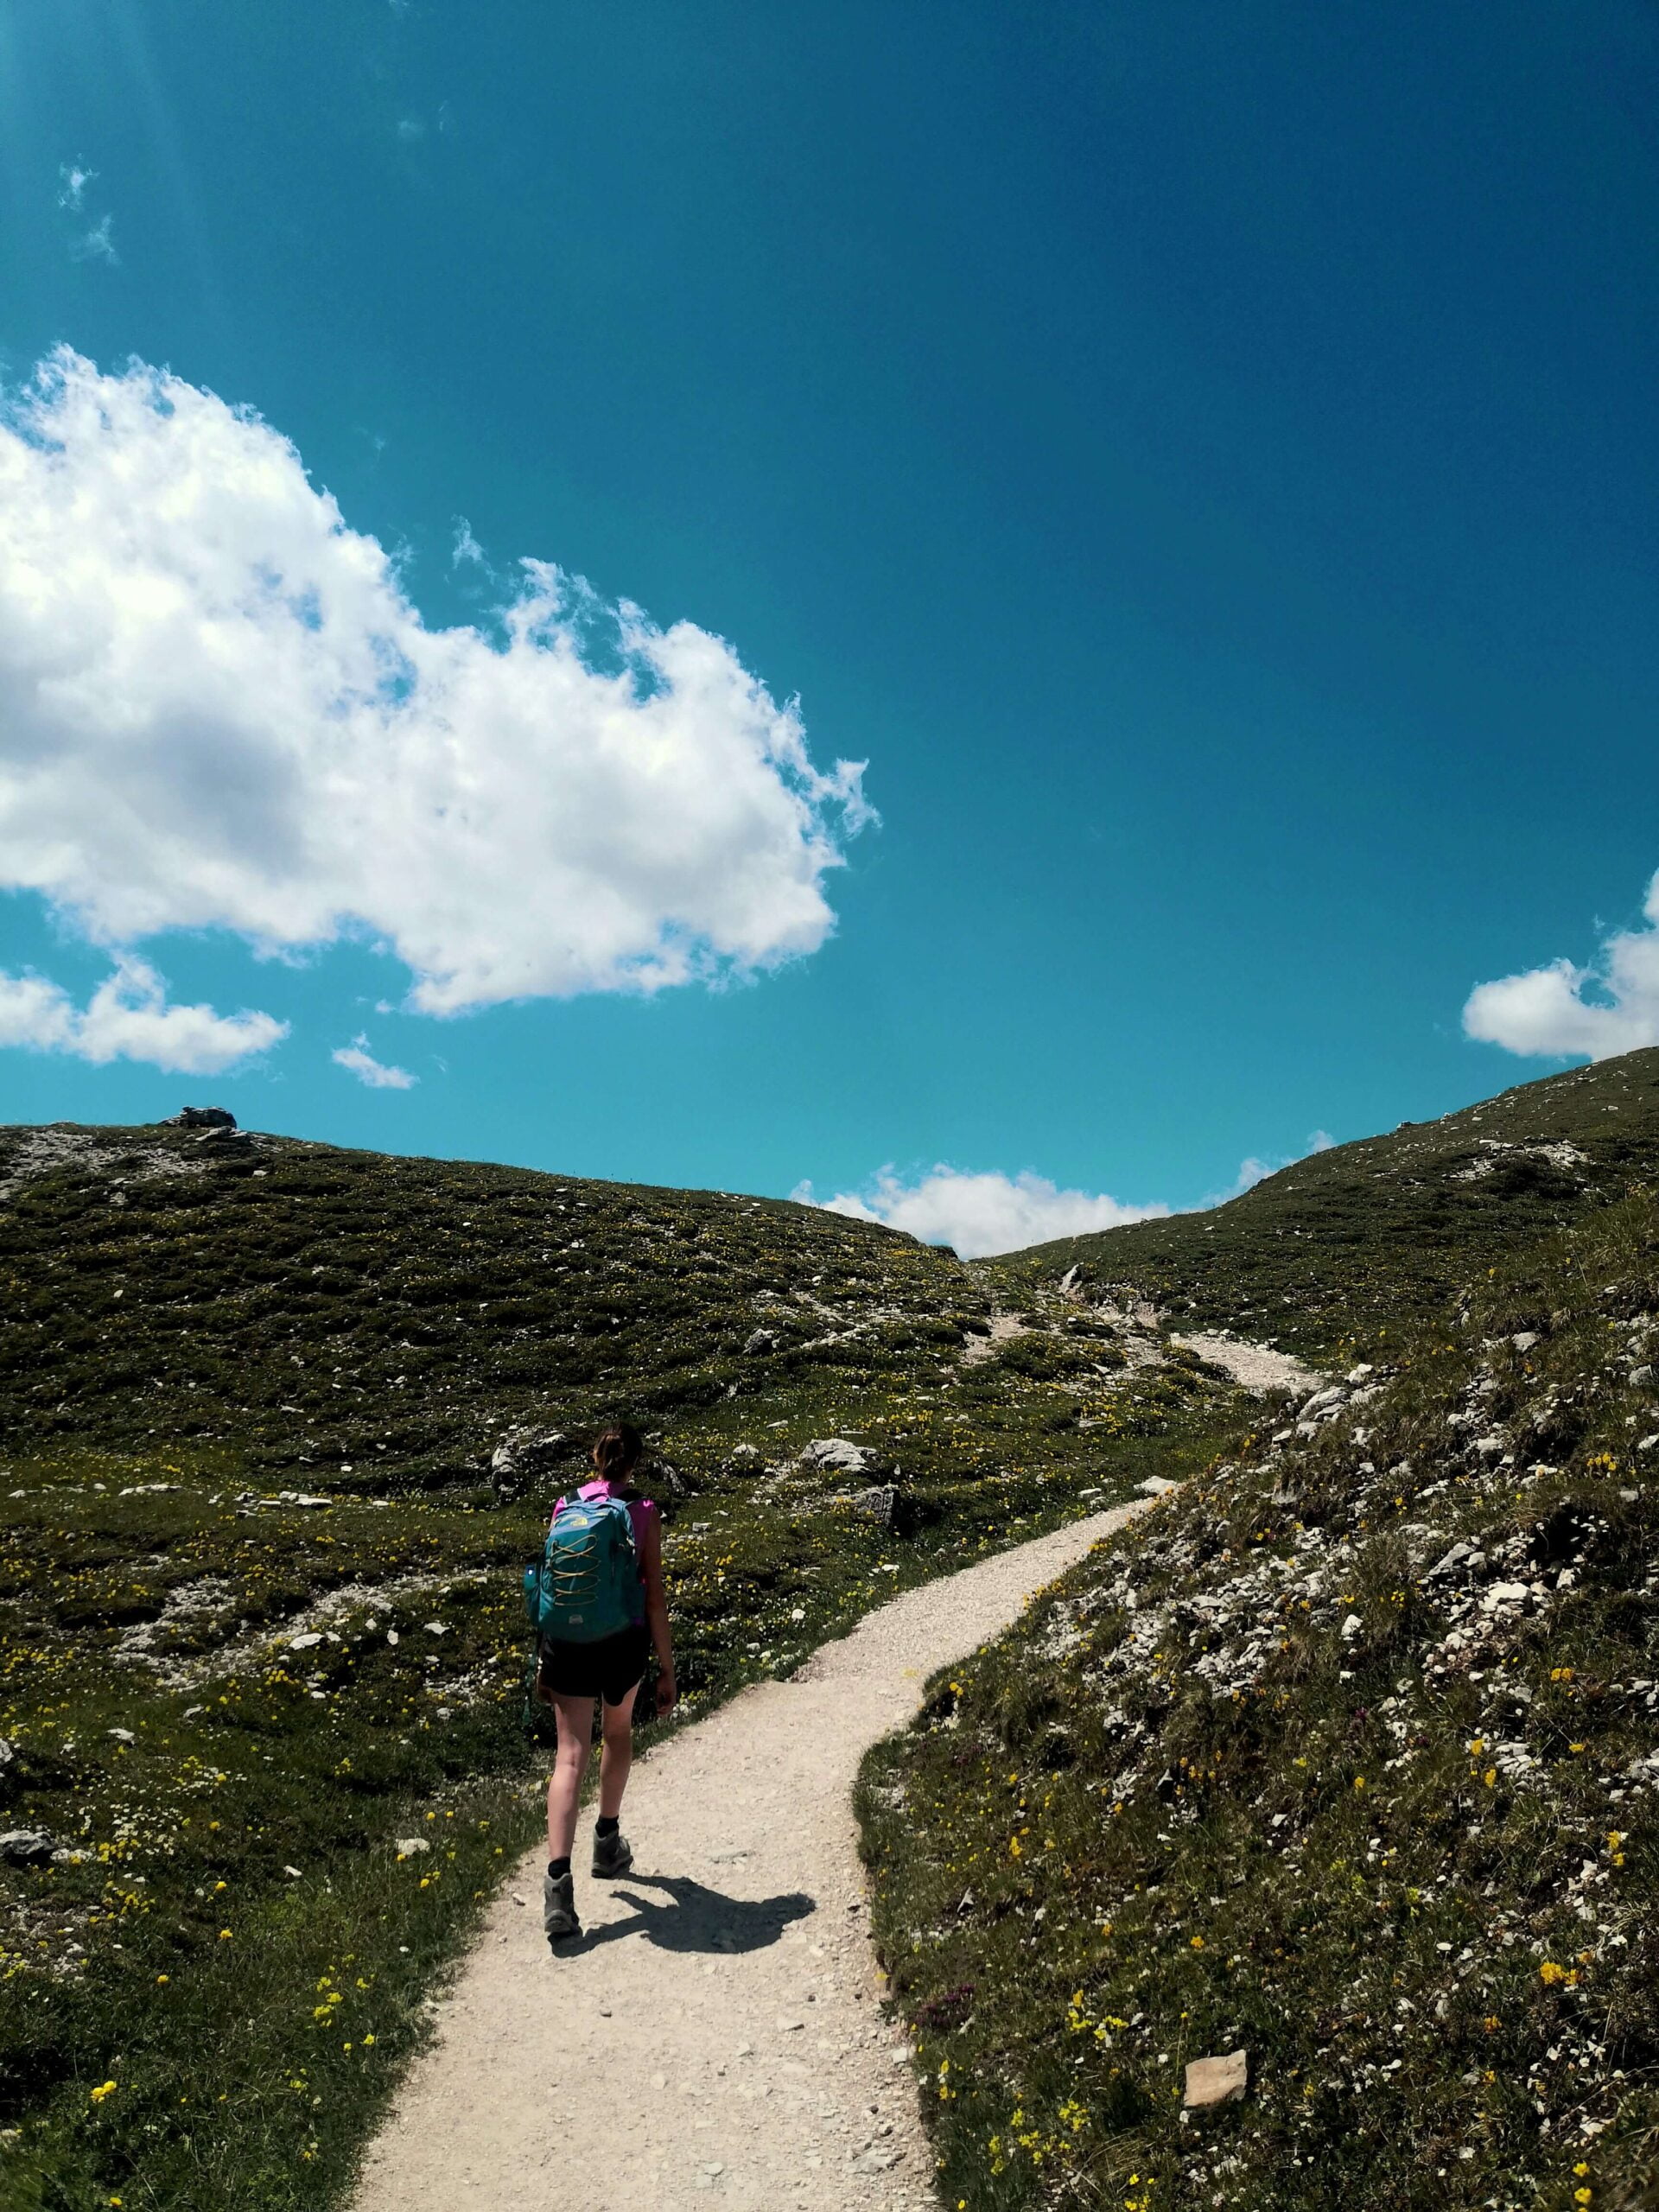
pixel 608 1601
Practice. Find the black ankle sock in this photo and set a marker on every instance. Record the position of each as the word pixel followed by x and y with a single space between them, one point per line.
pixel 606 1825
pixel 557 1866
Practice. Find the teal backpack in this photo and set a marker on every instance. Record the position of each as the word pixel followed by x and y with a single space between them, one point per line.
pixel 587 1584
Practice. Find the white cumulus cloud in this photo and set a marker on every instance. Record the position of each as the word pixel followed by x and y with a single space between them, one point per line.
pixel 218 709
pixel 128 1018
pixel 979 1214
pixel 357 1057
pixel 1547 1011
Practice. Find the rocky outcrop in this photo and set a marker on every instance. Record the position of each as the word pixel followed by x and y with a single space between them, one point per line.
pixel 201 1117
pixel 26 1847
pixel 526 1456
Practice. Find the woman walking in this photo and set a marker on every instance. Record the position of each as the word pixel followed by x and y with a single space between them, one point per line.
pixel 572 1674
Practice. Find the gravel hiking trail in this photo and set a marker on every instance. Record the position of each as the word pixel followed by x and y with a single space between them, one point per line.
pixel 716 2033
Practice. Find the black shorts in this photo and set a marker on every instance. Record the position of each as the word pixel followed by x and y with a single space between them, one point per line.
pixel 609 1667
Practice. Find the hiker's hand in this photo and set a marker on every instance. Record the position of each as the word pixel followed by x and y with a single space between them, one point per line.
pixel 666 1693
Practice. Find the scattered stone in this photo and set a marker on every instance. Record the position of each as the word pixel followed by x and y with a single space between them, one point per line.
pixel 122 1735
pixel 1156 1486
pixel 785 2025
pixel 1524 1339
pixel 883 1504
pixel 410 1846
pixel 306 1643
pixel 1217 2081
pixel 26 1847
pixel 762 1340
pixel 1642 1378
pixel 201 1117
pixel 1072 1283
pixel 837 1451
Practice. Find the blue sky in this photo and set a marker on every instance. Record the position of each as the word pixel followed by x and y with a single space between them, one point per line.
pixel 1203 462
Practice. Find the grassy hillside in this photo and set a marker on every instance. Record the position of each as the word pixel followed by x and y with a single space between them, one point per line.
pixel 258 1603
pixel 1345 1756
pixel 1351 1244
pixel 366 1320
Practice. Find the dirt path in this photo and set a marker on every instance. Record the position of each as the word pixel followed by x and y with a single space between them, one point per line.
pixel 716 2034
pixel 1256 1367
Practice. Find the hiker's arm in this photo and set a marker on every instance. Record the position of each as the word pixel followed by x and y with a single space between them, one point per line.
pixel 650 1569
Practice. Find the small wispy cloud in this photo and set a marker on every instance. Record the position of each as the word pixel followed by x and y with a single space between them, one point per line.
pixel 467 547
pixel 409 128
pixel 1254 1170
pixel 72 180
pixel 358 1059
pixel 95 245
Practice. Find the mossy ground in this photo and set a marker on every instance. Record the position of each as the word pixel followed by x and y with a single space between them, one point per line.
pixel 1347 1755
pixel 230 1936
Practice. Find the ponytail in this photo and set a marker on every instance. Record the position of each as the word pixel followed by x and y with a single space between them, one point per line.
pixel 617 1451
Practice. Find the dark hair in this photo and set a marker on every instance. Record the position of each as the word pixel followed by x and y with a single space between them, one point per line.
pixel 617 1451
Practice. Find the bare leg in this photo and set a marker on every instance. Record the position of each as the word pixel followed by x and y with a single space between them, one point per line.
pixel 576 1717
pixel 617 1755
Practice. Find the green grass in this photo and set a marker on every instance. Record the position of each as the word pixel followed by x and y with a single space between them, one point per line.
pixel 350 1320
pixel 1349 1247
pixel 1265 1773
pixel 155 1585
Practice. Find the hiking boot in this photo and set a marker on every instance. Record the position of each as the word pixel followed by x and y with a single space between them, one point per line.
pixel 613 1855
pixel 559 1907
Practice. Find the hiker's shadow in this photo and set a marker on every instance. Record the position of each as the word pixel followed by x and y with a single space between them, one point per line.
pixel 695 1918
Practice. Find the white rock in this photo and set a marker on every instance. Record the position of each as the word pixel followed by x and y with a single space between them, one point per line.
pixel 411 1845
pixel 1217 2081
pixel 837 1451
pixel 1156 1486
pixel 306 1643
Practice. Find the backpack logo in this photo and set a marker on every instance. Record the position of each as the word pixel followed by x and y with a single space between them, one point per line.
pixel 587 1585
